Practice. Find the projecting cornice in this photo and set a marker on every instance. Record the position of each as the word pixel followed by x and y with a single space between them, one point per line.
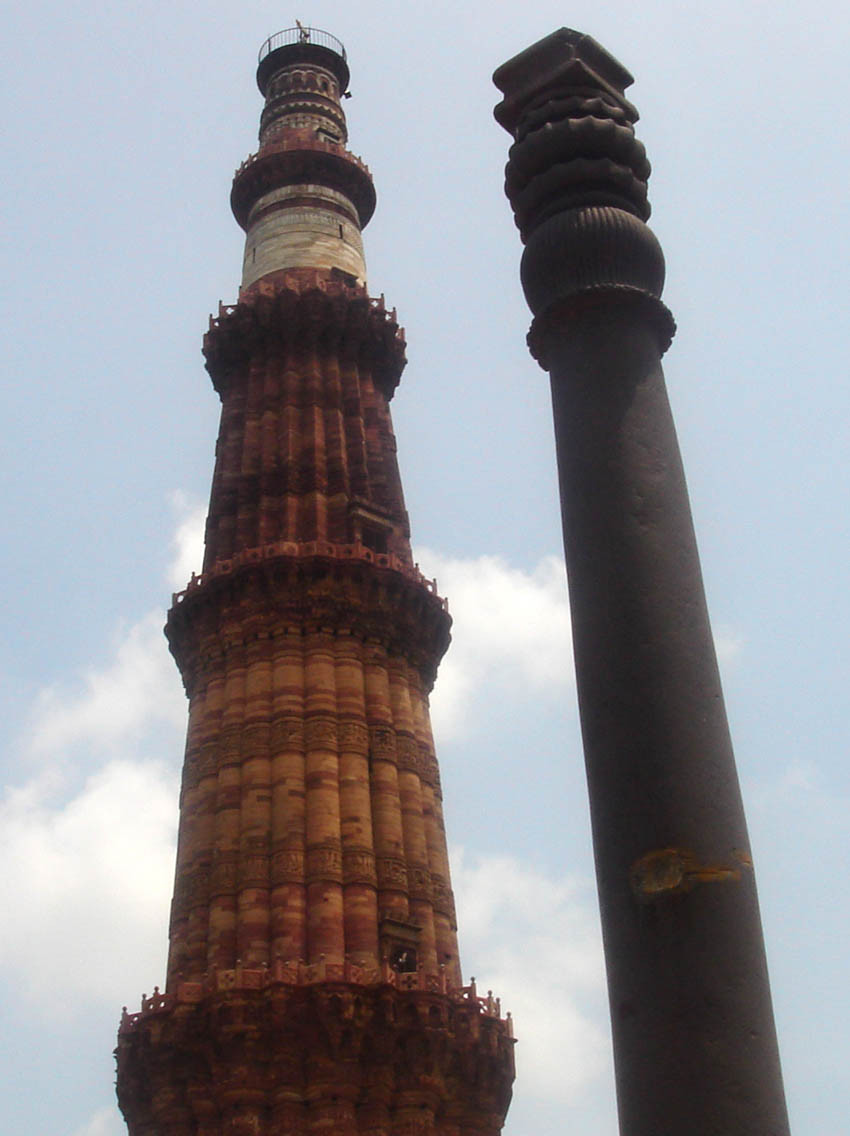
pixel 311 308
pixel 302 159
pixel 294 589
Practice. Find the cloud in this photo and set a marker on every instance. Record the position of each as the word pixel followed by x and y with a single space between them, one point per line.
pixel 89 880
pixel 105 1122
pixel 118 703
pixel 187 544
pixel 728 643
pixel 536 942
pixel 87 843
pixel 511 631
pixel 115 703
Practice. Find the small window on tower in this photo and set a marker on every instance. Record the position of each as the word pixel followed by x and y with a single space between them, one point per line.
pixel 375 538
pixel 403 960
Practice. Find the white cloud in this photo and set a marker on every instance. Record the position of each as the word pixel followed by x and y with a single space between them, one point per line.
pixel 87 844
pixel 105 1122
pixel 188 541
pixel 536 942
pixel 511 630
pixel 728 643
pixel 89 883
pixel 117 702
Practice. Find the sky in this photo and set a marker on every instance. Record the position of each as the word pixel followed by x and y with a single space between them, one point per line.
pixel 123 125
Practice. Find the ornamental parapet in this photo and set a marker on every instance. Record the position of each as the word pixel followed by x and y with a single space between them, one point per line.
pixel 299 974
pixel 290 588
pixel 303 143
pixel 306 280
pixel 307 550
pixel 315 1049
pixel 306 306
pixel 302 158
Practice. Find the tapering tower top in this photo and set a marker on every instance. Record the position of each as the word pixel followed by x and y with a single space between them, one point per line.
pixel 303 45
pixel 303 74
pixel 302 199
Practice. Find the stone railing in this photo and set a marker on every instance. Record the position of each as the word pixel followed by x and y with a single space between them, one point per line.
pixel 305 550
pixel 319 281
pixel 297 973
pixel 290 36
pixel 302 142
pixel 490 1006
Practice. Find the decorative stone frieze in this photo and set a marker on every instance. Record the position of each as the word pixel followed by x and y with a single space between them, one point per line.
pixel 324 864
pixel 287 866
pixel 354 737
pixel 382 744
pixel 358 866
pixel 287 733
pixel 408 753
pixel 392 873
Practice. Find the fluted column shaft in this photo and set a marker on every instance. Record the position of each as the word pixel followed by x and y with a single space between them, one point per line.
pixel 413 823
pixel 305 452
pixel 386 803
pixel 445 923
pixel 310 811
pixel 289 900
pixel 360 899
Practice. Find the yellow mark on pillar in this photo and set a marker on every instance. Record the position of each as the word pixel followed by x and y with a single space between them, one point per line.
pixel 668 871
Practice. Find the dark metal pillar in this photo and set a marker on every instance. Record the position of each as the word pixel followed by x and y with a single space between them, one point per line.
pixel 694 1040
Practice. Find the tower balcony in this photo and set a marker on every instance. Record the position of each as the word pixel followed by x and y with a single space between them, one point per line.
pixel 303 160
pixel 301 45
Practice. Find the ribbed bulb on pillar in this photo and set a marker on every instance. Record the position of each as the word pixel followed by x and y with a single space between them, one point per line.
pixel 312 900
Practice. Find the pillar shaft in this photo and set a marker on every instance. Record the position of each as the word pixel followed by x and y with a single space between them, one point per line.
pixel 694 1040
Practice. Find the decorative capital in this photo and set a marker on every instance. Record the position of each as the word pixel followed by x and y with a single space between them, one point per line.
pixel 564 58
pixel 577 180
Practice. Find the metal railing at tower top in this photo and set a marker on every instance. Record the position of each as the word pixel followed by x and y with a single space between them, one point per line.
pixel 292 36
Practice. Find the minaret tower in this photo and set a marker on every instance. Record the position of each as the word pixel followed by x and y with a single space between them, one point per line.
pixel 313 982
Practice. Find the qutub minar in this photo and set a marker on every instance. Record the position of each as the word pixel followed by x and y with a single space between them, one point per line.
pixel 313 984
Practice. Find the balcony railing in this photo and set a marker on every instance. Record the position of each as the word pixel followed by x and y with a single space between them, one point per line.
pixel 297 973
pixel 301 35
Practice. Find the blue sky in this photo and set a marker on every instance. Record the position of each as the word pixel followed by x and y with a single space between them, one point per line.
pixel 123 125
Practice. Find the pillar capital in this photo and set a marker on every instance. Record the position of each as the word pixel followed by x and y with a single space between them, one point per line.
pixel 577 182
